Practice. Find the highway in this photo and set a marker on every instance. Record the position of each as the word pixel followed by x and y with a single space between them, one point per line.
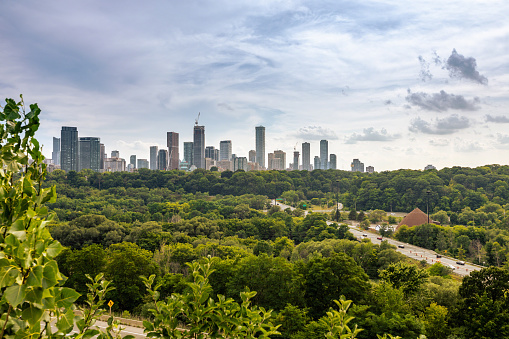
pixel 409 250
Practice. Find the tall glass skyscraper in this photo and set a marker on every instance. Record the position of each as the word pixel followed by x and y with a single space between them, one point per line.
pixel 55 155
pixel 306 156
pixel 199 146
pixel 69 149
pixel 153 157
pixel 225 150
pixel 260 146
pixel 324 154
pixel 188 153
pixel 90 153
pixel 172 142
pixel 333 162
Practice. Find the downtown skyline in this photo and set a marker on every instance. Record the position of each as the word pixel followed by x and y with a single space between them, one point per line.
pixel 393 85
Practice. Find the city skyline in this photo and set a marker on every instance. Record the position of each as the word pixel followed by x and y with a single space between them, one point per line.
pixel 418 85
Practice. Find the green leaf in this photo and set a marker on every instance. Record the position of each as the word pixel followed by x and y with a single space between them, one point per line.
pixel 66 297
pixel 66 321
pixel 50 274
pixel 32 315
pixel 54 249
pixel 35 277
pixel 34 295
pixel 15 294
pixel 27 186
pixel 17 229
pixel 8 273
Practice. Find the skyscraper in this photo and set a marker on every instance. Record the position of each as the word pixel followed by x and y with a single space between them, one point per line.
pixel 90 153
pixel 103 156
pixel 188 153
pixel 115 154
pixel 69 149
pixel 132 160
pixel 142 163
pixel 199 146
pixel 357 166
pixel 55 155
pixel 324 154
pixel 278 154
pixel 333 162
pixel 306 156
pixel 153 157
pixel 240 163
pixel 316 162
pixel 225 150
pixel 260 146
pixel 252 155
pixel 162 160
pixel 172 142
pixel 210 152
pixel 296 160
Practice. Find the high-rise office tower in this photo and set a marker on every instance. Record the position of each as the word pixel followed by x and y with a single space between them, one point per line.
pixel 199 146
pixel 188 153
pixel 153 157
pixel 316 162
pixel 278 154
pixel 103 156
pixel 162 160
pixel 306 156
pixel 225 150
pixel 210 152
pixel 216 154
pixel 132 160
pixel 260 146
pixel 55 155
pixel 115 154
pixel 252 155
pixel 142 163
pixel 240 163
pixel 333 162
pixel 69 149
pixel 90 153
pixel 324 154
pixel 296 160
pixel 172 142
pixel 357 166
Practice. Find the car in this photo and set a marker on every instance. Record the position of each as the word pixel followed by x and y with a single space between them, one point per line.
pixel 452 267
pixel 379 238
pixel 401 246
pixel 439 256
pixel 364 235
pixel 460 262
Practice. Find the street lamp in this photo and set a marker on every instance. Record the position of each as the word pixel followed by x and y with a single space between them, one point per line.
pixel 428 192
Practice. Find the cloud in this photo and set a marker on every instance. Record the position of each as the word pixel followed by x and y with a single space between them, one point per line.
pixel 369 134
pixel 440 102
pixel 448 125
pixel 499 119
pixel 439 142
pixel 464 68
pixel 503 138
pixel 316 133
pixel 468 146
pixel 388 102
pixel 223 105
pixel 425 73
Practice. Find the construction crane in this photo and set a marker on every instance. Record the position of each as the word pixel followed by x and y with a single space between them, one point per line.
pixel 196 121
pixel 295 147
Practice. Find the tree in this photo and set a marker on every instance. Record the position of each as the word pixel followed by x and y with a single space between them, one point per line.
pixel 405 276
pixel 203 316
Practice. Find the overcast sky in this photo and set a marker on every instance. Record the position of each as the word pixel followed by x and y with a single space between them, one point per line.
pixel 396 84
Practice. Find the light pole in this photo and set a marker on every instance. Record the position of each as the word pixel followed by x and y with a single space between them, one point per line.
pixel 428 192
pixel 337 200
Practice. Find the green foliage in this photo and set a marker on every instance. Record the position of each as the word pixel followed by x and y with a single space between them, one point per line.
pixel 405 276
pixel 203 316
pixel 336 321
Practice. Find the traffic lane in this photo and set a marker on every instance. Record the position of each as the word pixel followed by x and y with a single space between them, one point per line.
pixel 136 332
pixel 417 253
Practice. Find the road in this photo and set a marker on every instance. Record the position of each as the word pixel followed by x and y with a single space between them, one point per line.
pixel 409 250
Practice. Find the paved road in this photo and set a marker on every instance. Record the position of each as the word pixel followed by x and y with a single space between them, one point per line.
pixel 409 250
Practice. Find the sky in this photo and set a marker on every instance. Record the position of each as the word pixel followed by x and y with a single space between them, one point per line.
pixel 396 84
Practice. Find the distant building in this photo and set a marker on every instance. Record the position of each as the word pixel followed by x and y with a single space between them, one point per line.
pixel 103 156
pixel 162 160
pixel 69 148
pixel 114 165
pixel 370 169
pixel 130 168
pixel 210 152
pixel 224 165
pixel 278 154
pixel 324 154
pixel 295 166
pixel 225 150
pixel 430 167
pixel 90 153
pixel 142 163
pixel 240 163
pixel 199 146
pixel 252 156
pixel 188 153
pixel 115 154
pixel 172 142
pixel 306 156
pixel 209 163
pixel 357 166
pixel 55 155
pixel 184 165
pixel 132 160
pixel 316 162
pixel 260 146
pixel 153 157
pixel 333 162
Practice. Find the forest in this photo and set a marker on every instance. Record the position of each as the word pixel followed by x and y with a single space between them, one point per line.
pixel 178 247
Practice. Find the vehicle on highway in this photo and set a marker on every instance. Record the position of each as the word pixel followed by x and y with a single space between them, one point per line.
pixel 379 238
pixel 401 246
pixel 460 262
pixel 452 267
pixel 364 235
pixel 439 256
